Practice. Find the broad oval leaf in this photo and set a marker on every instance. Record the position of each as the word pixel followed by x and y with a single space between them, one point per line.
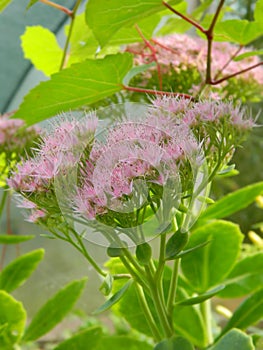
pixel 13 239
pixel 40 46
pixel 89 337
pixel 12 320
pixel 54 310
pixel 205 268
pixel 232 202
pixel 174 343
pixel 144 253
pixel 245 278
pixel 122 342
pixel 105 18
pixel 18 271
pixel 234 340
pixel 79 85
pixel 248 313
pixel 114 299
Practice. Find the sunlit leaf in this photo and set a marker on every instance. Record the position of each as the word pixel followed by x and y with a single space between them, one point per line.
pixel 89 337
pixel 12 320
pixel 14 239
pixel 81 84
pixel 4 4
pixel 41 48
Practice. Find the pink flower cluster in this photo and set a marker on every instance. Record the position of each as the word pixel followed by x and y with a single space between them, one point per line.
pixel 179 53
pixel 130 161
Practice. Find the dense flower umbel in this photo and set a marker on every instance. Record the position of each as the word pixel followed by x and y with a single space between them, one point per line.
pixel 127 170
pixel 182 60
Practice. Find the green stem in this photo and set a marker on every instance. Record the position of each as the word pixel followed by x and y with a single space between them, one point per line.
pixel 159 306
pixel 136 276
pixel 147 313
pixel 207 318
pixel 172 289
pixel 69 33
pixel 3 201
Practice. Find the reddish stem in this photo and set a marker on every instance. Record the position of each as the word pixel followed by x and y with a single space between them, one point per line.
pixel 153 51
pixel 58 7
pixel 229 61
pixel 157 92
pixel 235 74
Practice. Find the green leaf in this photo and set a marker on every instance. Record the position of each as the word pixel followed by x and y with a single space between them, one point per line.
pixel 54 310
pixel 258 11
pixel 248 313
pixel 12 239
pixel 106 286
pixel 41 48
pixel 89 337
pixel 106 18
pixel 81 84
pixel 18 271
pixel 245 278
pixel 144 253
pixel 187 251
pixel 137 70
pixel 232 202
pixel 248 54
pixel 174 343
pixel 213 262
pixel 122 342
pixel 12 320
pixel 114 299
pixel 31 3
pixel 4 4
pixel 200 298
pixel 238 31
pixel 234 340
pixel 175 244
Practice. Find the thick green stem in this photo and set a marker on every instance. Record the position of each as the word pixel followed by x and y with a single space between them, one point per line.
pixel 172 289
pixel 207 318
pixel 136 275
pixel 147 313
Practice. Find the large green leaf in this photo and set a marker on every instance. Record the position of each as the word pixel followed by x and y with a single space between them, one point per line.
pixel 86 339
pixel 54 310
pixel 206 267
pixel 245 278
pixel 18 271
pixel 233 202
pixel 12 320
pixel 121 343
pixel 3 4
pixel 105 18
pixel 41 48
pixel 248 313
pixel 81 84
pixel 175 343
pixel 13 239
pixel 234 340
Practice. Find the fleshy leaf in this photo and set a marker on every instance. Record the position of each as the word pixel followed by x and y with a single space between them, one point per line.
pixel 122 342
pixel 12 320
pixel 106 18
pixel 13 239
pixel 234 340
pixel 213 262
pixel 54 310
pixel 232 202
pixel 41 48
pixel 114 299
pixel 248 313
pixel 74 87
pixel 18 271
pixel 89 337
pixel 143 253
pixel 175 343
pixel 245 278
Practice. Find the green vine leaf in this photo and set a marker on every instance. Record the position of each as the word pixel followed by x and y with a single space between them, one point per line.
pixel 106 18
pixel 40 46
pixel 80 85
pixel 4 4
